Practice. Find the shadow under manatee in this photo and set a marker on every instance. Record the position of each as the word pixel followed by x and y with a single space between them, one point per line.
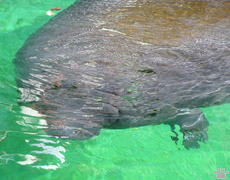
pixel 121 64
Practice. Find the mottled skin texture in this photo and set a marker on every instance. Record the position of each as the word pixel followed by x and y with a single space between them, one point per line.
pixel 83 74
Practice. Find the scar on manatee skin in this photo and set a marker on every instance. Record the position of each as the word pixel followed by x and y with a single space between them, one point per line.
pixel 57 82
pixel 37 106
pixel 48 103
pixel 57 85
pixel 152 112
pixel 74 66
pixel 57 123
pixel 147 71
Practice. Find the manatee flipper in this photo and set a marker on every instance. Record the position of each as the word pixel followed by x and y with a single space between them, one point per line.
pixel 193 126
pixel 63 123
pixel 81 132
pixel 80 117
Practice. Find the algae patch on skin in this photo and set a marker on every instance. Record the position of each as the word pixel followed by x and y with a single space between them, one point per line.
pixel 147 71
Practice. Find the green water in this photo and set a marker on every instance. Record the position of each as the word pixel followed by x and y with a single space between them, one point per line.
pixel 140 153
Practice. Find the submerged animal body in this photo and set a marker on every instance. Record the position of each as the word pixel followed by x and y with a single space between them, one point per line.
pixel 121 64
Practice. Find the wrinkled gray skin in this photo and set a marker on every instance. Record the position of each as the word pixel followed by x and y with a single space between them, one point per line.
pixel 83 78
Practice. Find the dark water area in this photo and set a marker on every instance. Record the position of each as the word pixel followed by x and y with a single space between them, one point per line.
pixel 186 38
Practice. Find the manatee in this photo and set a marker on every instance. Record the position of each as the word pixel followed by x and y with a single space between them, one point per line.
pixel 120 64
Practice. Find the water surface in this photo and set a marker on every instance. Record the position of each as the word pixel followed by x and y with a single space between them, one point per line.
pixel 138 153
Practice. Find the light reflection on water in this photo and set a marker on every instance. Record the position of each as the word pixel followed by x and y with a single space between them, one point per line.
pixel 38 151
pixel 49 150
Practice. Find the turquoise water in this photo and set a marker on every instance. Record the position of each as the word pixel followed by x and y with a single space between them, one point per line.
pixel 137 153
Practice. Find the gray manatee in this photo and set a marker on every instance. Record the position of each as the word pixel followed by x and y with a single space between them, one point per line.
pixel 123 63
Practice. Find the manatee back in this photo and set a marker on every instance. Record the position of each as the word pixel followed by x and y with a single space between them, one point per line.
pixel 120 64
